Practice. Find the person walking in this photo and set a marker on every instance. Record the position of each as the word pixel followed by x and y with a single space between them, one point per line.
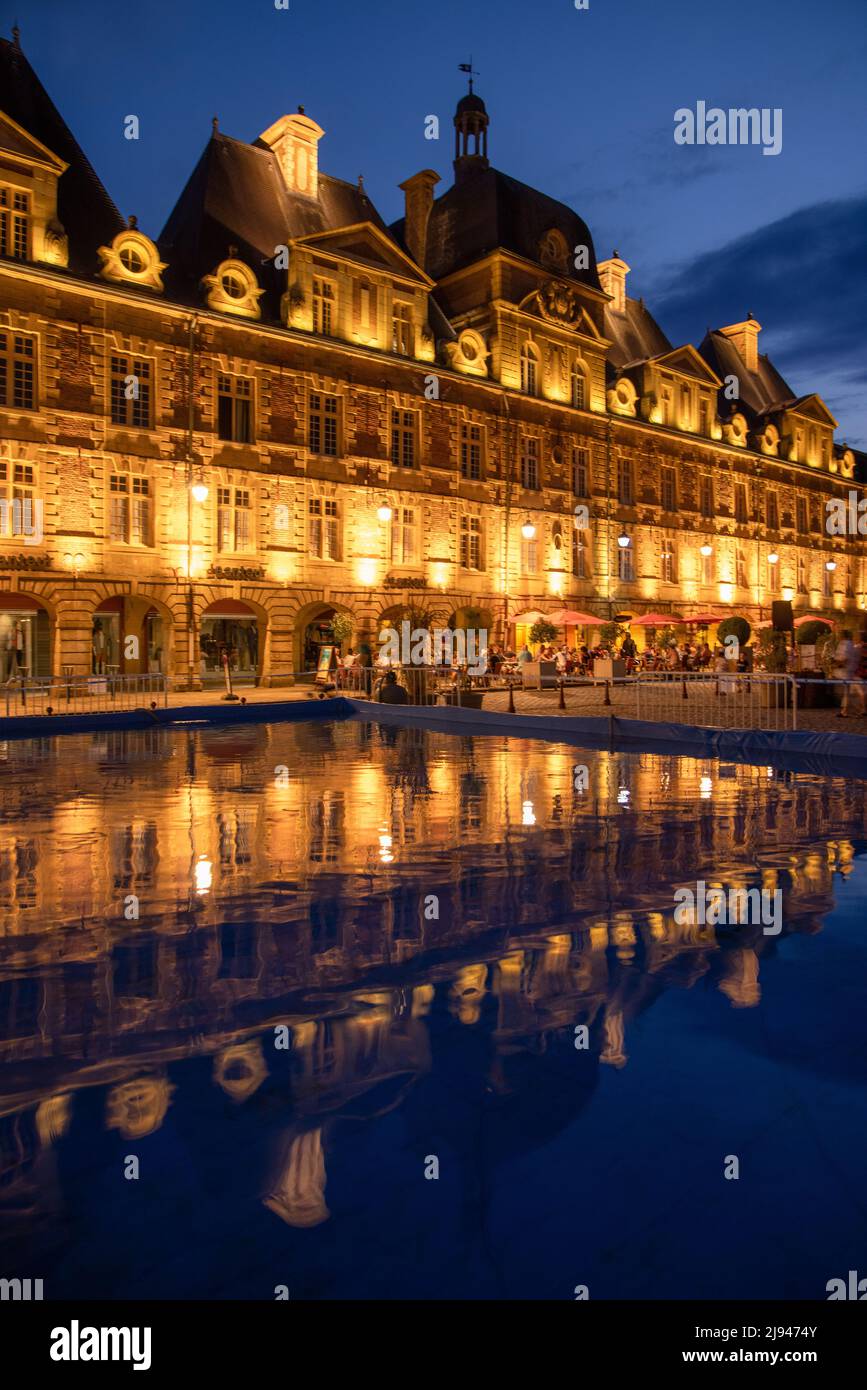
pixel 847 666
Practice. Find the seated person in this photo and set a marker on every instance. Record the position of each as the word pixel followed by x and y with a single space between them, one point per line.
pixel 390 693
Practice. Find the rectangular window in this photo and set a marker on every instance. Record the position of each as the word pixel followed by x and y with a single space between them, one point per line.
pixel 14 224
pixel 581 472
pixel 773 578
pixel 235 408
pixel 403 430
pixel 472 441
pixel 234 520
pixel 802 575
pixel 741 570
pixel 322 435
pixel 801 510
pixel 401 329
pixel 625 491
pixel 708 568
pixel 814 517
pixel 17 370
pixel 703 415
pixel 530 463
pixel 17 499
pixel 403 537
pixel 773 512
pixel 581 542
pixel 528 370
pixel 129 509
pixel 471 543
pixel 685 407
pixel 668 560
pixel 668 481
pixel 706 496
pixel 579 389
pixel 323 307
pixel 323 528
pixel 827 581
pixel 741 503
pixel 529 555
pixel 626 563
pixel 130 391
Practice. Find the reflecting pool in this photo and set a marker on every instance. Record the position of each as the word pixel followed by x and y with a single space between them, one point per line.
pixel 357 1011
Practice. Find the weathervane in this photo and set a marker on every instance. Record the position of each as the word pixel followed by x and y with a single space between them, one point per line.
pixel 468 68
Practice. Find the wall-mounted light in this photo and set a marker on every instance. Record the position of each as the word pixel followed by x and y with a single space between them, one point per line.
pixel 200 492
pixel 830 564
pixel 384 513
pixel 623 540
pixel 528 530
pixel 773 558
pixel 707 550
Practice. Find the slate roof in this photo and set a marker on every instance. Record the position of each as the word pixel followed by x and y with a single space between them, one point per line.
pixel 88 215
pixel 635 336
pixel 486 209
pixel 236 196
pixel 762 392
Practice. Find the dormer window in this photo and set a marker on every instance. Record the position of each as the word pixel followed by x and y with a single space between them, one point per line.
pixel 529 370
pixel 323 307
pixel 14 223
pixel 132 258
pixel 232 289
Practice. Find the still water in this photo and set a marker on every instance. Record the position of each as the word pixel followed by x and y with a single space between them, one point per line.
pixel 284 972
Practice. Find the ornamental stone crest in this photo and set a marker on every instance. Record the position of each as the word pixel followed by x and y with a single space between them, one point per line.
pixel 558 303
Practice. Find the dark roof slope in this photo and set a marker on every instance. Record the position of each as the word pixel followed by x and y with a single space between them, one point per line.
pixel 761 391
pixel 486 209
pixel 635 335
pixel 236 196
pixel 83 206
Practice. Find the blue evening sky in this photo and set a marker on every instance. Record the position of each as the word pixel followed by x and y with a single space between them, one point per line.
pixel 581 105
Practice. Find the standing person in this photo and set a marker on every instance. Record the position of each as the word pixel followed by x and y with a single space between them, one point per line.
pixel 847 663
pixel 525 654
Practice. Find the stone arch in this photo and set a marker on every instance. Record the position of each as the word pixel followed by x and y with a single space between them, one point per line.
pixel 306 615
pixel 28 633
pixel 240 623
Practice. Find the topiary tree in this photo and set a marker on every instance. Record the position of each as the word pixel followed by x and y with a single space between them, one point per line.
pixel 341 628
pixel 826 646
pixel 611 633
pixel 772 650
pixel 809 633
pixel 734 627
pixel 543 632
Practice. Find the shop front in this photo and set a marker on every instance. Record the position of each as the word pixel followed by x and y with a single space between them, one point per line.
pixel 25 642
pixel 232 628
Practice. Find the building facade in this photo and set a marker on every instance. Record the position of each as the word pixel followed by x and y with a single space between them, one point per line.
pixel 282 410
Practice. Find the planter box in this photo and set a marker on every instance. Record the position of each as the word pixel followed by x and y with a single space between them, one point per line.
pixel 606 669
pixel 539 675
pixel 470 699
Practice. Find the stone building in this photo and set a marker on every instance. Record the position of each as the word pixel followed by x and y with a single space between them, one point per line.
pixel 281 410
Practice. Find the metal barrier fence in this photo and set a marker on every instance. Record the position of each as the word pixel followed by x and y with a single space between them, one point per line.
pixel 84 694
pixel 717 700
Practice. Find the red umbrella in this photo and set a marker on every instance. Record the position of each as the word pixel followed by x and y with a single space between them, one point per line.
pixel 705 619
pixel 570 617
pixel 532 615
pixel 805 618
pixel 656 620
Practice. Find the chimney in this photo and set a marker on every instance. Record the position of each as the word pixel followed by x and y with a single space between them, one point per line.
pixel 745 337
pixel 419 200
pixel 295 141
pixel 612 276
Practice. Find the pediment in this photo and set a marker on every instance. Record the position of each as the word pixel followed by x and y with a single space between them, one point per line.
pixel 558 303
pixel 813 408
pixel 687 361
pixel 365 244
pixel 25 148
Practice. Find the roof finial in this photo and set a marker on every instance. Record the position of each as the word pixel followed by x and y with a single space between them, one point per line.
pixel 132 222
pixel 215 126
pixel 468 68
pixel 300 110
pixel 361 183
pixel 16 35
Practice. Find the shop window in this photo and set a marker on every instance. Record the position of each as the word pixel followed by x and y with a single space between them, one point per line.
pixel 17 370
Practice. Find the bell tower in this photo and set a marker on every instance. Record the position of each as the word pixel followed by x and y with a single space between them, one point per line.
pixel 471 130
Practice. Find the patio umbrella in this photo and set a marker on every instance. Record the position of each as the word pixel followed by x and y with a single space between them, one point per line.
pixel 570 617
pixel 705 619
pixel 805 618
pixel 656 620
pixel 532 615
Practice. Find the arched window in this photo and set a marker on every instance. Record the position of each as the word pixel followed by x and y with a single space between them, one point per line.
pixel 529 370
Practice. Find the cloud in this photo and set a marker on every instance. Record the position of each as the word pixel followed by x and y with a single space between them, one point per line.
pixel 804 277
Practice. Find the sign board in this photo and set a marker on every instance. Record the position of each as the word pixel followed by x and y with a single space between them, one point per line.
pixel 323 668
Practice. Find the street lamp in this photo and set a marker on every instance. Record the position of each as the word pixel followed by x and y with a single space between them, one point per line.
pixel 773 558
pixel 706 550
pixel 200 492
pixel 384 512
pixel 623 540
pixel 830 564
pixel 528 530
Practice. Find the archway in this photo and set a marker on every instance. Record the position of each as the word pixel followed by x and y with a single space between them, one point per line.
pixel 315 629
pixel 229 625
pixel 25 636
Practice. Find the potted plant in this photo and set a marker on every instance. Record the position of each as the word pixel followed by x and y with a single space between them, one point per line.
pixel 542 632
pixel 341 628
